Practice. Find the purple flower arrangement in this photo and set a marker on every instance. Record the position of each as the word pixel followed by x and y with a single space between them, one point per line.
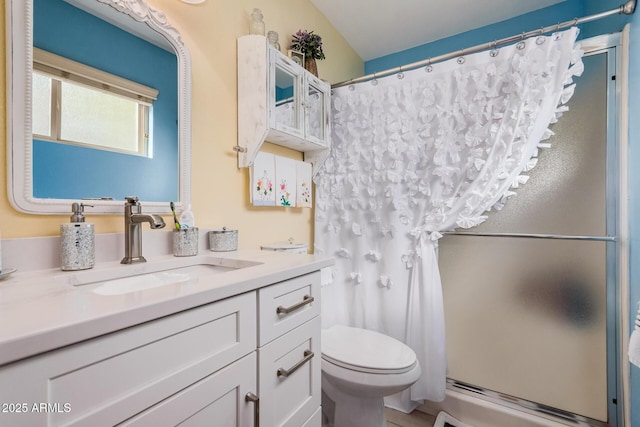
pixel 308 43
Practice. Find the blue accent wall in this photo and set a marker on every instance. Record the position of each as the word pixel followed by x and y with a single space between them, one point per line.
pixel 70 172
pixel 558 13
pixel 566 11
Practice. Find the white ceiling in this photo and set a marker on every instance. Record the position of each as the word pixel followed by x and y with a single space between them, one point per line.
pixel 375 28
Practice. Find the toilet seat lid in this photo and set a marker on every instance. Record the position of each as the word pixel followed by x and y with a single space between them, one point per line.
pixel 366 351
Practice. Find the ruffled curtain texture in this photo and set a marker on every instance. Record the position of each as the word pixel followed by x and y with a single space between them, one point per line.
pixel 412 155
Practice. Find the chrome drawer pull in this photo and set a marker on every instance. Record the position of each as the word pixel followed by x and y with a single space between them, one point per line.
pixel 250 397
pixel 308 299
pixel 308 355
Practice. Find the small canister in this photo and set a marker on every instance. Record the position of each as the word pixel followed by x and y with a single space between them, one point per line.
pixel 185 241
pixel 223 240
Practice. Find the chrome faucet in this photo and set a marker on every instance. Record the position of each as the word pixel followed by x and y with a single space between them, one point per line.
pixel 133 219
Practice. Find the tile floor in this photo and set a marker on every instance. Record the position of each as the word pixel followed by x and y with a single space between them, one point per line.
pixel 414 419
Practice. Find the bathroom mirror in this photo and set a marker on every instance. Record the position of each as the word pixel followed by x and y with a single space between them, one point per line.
pixel 26 167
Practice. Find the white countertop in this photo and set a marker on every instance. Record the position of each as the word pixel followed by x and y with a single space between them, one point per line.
pixel 43 310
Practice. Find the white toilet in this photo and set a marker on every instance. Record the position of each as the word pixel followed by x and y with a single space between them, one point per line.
pixel 359 368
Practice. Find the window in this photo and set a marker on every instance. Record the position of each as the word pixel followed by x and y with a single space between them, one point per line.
pixel 80 105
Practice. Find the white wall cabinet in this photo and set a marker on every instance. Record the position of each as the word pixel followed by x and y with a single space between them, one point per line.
pixel 280 102
pixel 197 367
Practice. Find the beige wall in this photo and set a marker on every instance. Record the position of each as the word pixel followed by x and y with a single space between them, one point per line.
pixel 220 189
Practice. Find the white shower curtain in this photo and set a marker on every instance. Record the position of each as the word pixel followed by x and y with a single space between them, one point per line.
pixel 418 153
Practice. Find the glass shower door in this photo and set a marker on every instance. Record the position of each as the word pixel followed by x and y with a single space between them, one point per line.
pixel 527 317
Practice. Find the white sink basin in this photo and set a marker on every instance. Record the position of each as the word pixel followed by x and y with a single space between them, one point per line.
pixel 122 279
pixel 183 276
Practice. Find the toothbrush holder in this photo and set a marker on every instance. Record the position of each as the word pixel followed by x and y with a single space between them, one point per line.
pixel 185 241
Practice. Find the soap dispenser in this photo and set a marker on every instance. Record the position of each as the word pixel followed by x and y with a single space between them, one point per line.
pixel 77 241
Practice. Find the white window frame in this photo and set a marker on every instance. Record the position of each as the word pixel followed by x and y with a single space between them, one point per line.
pixel 60 69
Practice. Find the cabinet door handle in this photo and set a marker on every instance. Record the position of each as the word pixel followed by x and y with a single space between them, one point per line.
pixel 308 299
pixel 250 397
pixel 308 355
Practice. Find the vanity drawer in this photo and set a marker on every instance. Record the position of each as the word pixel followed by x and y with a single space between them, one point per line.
pixel 315 420
pixel 217 400
pixel 289 377
pixel 106 380
pixel 288 304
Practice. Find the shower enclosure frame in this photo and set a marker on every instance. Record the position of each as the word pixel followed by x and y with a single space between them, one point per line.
pixel 616 252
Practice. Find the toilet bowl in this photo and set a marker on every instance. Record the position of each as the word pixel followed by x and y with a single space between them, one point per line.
pixel 359 368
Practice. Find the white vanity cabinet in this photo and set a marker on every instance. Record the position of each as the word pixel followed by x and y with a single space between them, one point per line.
pixel 289 354
pixel 219 399
pixel 107 380
pixel 280 102
pixel 216 364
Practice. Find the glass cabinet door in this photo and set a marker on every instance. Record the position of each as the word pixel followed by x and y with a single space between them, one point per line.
pixel 298 105
pixel 286 98
pixel 315 115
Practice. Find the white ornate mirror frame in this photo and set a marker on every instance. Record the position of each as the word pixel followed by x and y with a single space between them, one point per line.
pixel 19 21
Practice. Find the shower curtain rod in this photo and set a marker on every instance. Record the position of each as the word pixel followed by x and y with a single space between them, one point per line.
pixel 627 9
pixel 532 236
